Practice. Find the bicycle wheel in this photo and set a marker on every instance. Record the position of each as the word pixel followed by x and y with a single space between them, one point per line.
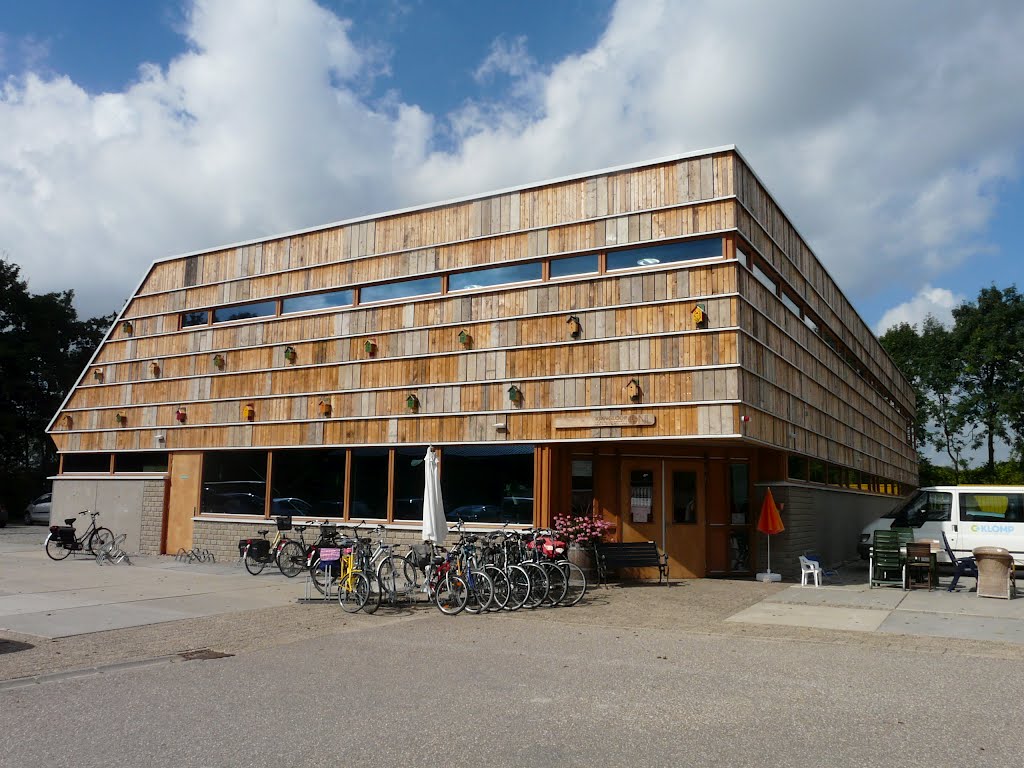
pixel 538 584
pixel 54 549
pixel 451 595
pixel 375 595
pixel 291 559
pixel 99 538
pixel 575 583
pixel 481 591
pixel 556 584
pixel 253 564
pixel 396 578
pixel 353 592
pixel 518 587
pixel 501 587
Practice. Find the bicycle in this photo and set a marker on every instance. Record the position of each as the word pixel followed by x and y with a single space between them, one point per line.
pixel 353 583
pixel 467 566
pixel 62 540
pixel 573 582
pixel 258 553
pixel 293 554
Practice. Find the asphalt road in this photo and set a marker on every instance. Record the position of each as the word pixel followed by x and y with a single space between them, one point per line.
pixel 527 689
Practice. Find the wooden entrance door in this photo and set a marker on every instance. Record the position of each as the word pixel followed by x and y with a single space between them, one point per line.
pixel 186 472
pixel 663 502
pixel 684 518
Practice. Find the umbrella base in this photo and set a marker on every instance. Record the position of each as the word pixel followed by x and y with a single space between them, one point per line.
pixel 768 577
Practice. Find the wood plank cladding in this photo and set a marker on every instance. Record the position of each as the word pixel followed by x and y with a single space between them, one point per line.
pixel 231 385
pixel 625 230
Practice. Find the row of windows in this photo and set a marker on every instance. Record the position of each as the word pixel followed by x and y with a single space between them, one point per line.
pixel 937 506
pixel 475 279
pixel 816 471
pixel 829 338
pixel 479 484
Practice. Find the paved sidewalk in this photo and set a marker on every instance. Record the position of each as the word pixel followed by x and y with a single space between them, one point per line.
pixel 921 613
pixel 43 598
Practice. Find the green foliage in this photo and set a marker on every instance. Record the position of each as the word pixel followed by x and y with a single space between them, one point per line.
pixel 969 384
pixel 43 349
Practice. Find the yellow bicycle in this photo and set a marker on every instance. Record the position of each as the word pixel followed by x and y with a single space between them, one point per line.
pixel 353 582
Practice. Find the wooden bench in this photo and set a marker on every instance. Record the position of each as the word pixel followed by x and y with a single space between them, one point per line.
pixel 633 554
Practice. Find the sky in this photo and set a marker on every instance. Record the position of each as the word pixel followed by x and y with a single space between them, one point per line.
pixel 890 133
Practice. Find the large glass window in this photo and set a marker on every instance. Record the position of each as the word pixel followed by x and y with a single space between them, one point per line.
pixel 234 483
pixel 198 317
pixel 924 506
pixel 488 484
pixel 400 290
pixel 484 278
pixel 308 484
pixel 409 482
pixel 739 494
pixel 790 304
pixel 992 507
pixel 762 277
pixel 574 265
pixel 582 486
pixel 684 497
pixel 316 301
pixel 86 462
pixel 817 471
pixel 665 254
pixel 797 468
pixel 245 311
pixel 369 492
pixel 149 461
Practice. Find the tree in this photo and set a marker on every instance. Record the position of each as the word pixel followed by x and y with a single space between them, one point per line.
pixel 989 339
pixel 929 361
pixel 43 349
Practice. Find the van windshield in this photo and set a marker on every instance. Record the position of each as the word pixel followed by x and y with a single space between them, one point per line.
pixel 922 507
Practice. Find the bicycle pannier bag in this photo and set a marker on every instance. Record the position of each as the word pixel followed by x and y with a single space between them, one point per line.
pixel 67 536
pixel 242 544
pixel 259 548
pixel 421 554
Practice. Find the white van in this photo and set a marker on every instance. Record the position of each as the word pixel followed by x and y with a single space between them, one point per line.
pixel 970 516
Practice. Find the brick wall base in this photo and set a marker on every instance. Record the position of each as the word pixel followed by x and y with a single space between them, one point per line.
pixel 221 537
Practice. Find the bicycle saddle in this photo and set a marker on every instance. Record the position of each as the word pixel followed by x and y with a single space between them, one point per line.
pixel 264 532
pixel 69 521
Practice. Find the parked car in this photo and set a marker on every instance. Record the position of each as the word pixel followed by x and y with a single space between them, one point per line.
pixel 475 513
pixel 38 511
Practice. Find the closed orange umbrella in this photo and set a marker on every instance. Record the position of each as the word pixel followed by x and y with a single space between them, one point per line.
pixel 769 522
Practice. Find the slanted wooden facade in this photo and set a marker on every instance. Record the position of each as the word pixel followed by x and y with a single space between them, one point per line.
pixel 653 342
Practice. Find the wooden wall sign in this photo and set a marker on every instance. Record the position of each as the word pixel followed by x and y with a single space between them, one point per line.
pixel 596 422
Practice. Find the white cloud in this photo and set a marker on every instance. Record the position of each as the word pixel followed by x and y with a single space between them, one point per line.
pixel 937 302
pixel 882 128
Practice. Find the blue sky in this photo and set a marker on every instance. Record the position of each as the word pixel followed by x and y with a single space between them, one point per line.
pixel 890 133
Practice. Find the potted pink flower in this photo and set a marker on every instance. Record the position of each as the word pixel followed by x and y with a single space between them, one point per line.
pixel 582 532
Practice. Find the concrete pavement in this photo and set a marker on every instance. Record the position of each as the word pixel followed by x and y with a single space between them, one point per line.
pixel 42 598
pixel 856 607
pixel 75 596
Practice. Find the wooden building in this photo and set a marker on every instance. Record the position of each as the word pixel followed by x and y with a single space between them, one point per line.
pixel 655 342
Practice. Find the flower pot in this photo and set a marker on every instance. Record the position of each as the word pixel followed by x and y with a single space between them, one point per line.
pixel 583 556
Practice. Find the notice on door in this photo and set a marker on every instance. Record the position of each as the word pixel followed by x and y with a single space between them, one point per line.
pixel 641 504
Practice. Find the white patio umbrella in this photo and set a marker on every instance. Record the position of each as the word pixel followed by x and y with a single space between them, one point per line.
pixel 435 526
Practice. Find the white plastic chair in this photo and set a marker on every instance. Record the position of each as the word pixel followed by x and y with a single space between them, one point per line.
pixel 811 568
